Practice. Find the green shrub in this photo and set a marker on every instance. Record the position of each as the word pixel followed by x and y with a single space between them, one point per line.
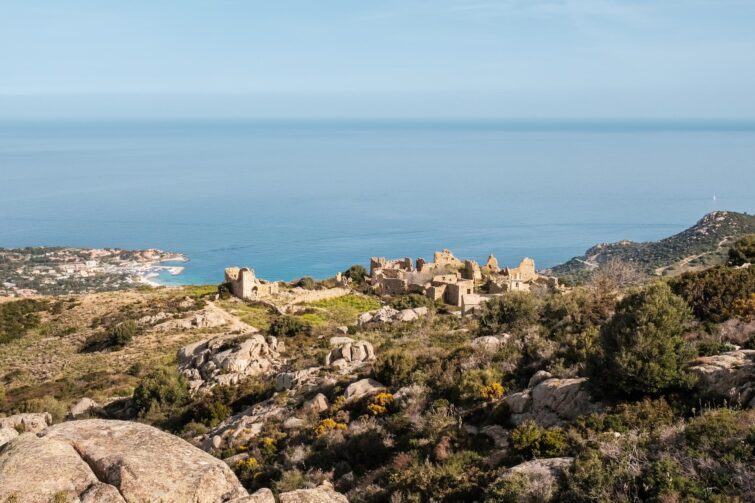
pixel 224 291
pixel 743 251
pixel 412 301
pixel 594 477
pixel 356 273
pixel 480 384
pixel 721 434
pixel 642 345
pixel 713 293
pixel 530 440
pixel 643 416
pixel 18 317
pixel 394 367
pixel 511 311
pixel 288 326
pixel 120 335
pixel 163 390
pixel 510 488
pixel 306 282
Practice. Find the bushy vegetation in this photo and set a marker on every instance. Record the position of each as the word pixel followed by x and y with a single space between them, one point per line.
pixel 743 251
pixel 713 294
pixel 643 349
pixel 356 273
pixel 510 312
pixel 18 317
pixel 287 326
pixel 160 393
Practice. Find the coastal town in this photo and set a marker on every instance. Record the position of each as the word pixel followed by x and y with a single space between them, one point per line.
pixel 56 270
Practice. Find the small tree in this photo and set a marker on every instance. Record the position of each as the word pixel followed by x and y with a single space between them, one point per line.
pixel 743 251
pixel 511 311
pixel 642 345
pixel 288 326
pixel 163 389
pixel 356 273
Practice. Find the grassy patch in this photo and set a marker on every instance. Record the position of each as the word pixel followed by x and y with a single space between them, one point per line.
pixel 200 290
pixel 340 310
pixel 255 315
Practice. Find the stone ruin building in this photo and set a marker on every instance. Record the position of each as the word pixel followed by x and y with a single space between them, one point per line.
pixel 246 285
pixel 452 281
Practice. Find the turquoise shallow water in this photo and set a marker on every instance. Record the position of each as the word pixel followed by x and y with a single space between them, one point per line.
pixel 291 198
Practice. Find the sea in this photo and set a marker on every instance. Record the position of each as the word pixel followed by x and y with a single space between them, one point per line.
pixel 293 198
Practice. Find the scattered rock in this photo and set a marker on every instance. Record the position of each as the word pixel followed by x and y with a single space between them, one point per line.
pixel 293 423
pixel 497 434
pixel 405 315
pixel 487 344
pixel 227 359
pixel 31 422
pixel 290 380
pixel 729 375
pixel 322 494
pixel 261 496
pixel 340 341
pixel 354 353
pixel 538 377
pixel 362 388
pixel 100 460
pixel 84 407
pixel 316 405
pixel 551 402
pixel 387 314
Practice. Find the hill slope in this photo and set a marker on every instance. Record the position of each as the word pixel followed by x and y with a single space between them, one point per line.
pixel 703 244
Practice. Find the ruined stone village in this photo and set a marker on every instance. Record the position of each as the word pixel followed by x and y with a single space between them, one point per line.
pixel 464 284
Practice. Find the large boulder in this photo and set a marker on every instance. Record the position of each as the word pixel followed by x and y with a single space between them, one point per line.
pixel 84 407
pixel 31 422
pixel 486 344
pixel 729 375
pixel 322 494
pixel 361 388
pixel 541 477
pixel 118 461
pixel 6 435
pixel 353 354
pixel 552 401
pixel 228 359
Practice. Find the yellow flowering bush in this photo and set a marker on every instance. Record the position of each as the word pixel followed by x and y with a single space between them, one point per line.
pixel 327 425
pixel 379 403
pixel 492 391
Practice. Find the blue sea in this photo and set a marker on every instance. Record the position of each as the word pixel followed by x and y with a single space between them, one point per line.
pixel 294 198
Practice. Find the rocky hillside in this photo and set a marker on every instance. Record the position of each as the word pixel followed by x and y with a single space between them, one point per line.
pixel 179 394
pixel 702 245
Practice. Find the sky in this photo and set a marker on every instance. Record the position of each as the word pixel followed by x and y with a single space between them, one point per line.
pixel 526 59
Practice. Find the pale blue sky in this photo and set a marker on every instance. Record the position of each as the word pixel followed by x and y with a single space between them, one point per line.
pixel 393 58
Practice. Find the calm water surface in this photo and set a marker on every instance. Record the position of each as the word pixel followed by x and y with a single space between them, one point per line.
pixel 293 198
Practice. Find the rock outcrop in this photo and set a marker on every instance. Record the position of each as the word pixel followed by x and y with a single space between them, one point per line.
pixel 487 344
pixel 387 314
pixel 112 461
pixel 84 407
pixel 551 401
pixel 361 388
pixel 322 494
pixel 228 359
pixel 730 376
pixel 350 354
pixel 31 422
pixel 542 477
